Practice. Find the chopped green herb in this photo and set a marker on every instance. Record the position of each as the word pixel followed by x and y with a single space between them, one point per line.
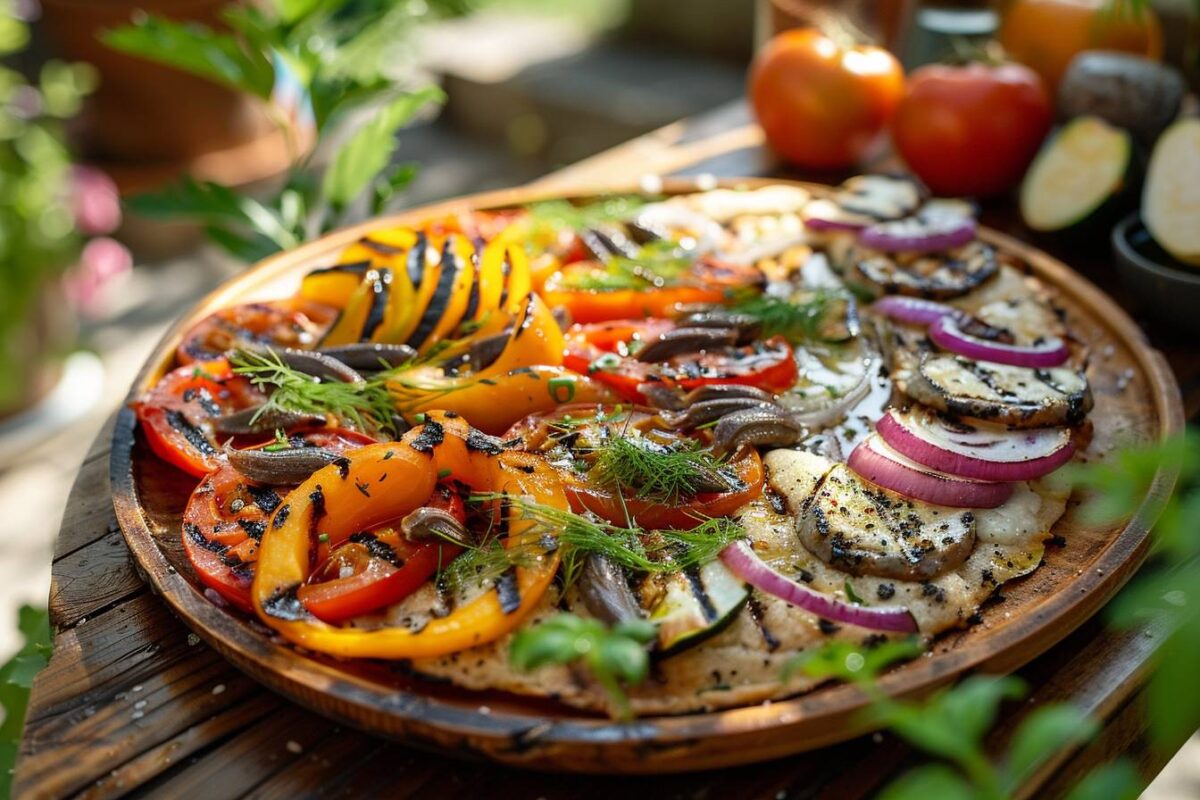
pixel 444 473
pixel 562 390
pixel 323 538
pixel 852 595
pixel 605 363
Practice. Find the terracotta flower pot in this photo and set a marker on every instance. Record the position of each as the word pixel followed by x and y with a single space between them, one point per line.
pixel 143 111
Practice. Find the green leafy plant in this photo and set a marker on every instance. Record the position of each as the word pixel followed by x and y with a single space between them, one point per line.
pixel 616 656
pixel 340 57
pixel 1167 592
pixel 16 679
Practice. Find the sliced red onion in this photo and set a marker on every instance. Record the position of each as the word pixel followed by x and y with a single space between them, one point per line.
pixel 883 466
pixel 980 450
pixel 948 335
pixel 930 230
pixel 914 310
pixel 826 215
pixel 745 563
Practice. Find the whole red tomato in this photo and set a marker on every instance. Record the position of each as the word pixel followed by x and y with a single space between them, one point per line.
pixel 973 129
pixel 821 104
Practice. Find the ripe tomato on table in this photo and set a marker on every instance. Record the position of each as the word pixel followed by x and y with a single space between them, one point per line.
pixel 972 129
pixel 1045 35
pixel 823 104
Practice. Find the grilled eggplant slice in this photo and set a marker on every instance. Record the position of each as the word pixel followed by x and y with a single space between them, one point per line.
pixel 858 527
pixel 1017 396
pixel 939 276
pixel 696 604
pixel 880 197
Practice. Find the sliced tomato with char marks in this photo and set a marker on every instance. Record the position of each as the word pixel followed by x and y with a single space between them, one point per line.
pixel 296 322
pixel 375 569
pixel 178 413
pixel 607 352
pixel 570 437
pixel 227 515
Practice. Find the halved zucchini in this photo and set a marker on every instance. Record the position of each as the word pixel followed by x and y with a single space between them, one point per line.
pixel 1171 200
pixel 696 604
pixel 1080 171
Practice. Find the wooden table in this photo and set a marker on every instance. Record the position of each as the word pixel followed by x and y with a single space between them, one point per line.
pixel 133 703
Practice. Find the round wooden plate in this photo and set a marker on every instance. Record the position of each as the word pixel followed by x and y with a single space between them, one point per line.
pixel 1137 400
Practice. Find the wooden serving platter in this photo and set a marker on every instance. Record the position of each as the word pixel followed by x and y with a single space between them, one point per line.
pixel 1137 400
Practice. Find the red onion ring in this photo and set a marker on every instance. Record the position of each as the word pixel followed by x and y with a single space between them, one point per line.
pixel 989 455
pixel 742 561
pixel 914 310
pixel 947 334
pixel 924 233
pixel 883 466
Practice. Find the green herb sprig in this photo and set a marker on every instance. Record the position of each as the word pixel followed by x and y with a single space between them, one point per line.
pixel 577 536
pixel 664 474
pixel 561 215
pixel 615 656
pixel 366 405
pixel 798 321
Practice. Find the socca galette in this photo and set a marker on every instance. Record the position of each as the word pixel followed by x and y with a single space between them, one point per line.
pixel 757 420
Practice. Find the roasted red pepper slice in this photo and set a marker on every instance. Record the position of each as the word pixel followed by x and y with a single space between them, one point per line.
pixel 372 570
pixel 606 352
pixel 227 515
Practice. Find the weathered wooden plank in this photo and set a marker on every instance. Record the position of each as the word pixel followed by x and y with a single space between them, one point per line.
pixel 323 770
pixel 180 747
pixel 274 744
pixel 92 578
pixel 89 514
pixel 121 684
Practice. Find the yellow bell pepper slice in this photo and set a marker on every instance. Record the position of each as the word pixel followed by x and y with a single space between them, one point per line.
pixel 332 499
pixel 526 378
pixel 364 311
pixel 458 276
pixel 333 286
pixel 491 278
pixel 380 247
pixel 520 278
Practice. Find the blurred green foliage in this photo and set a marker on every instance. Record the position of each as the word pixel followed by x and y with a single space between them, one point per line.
pixel 309 61
pixel 16 679
pixel 37 228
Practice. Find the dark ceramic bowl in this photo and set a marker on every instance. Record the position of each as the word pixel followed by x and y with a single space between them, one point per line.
pixel 1169 290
